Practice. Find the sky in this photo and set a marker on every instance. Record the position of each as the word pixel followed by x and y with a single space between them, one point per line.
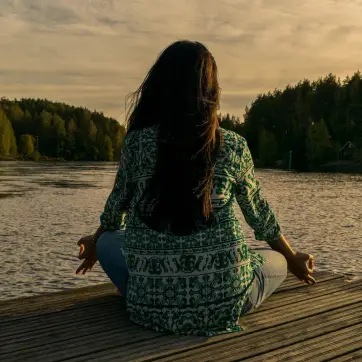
pixel 94 52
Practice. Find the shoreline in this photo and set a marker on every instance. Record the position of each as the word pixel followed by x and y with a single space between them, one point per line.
pixel 343 167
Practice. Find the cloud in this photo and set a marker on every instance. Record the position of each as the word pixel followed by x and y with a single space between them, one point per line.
pixel 94 52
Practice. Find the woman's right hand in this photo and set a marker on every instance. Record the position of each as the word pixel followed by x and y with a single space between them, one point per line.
pixel 302 266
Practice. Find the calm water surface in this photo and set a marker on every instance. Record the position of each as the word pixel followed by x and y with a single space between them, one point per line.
pixel 45 208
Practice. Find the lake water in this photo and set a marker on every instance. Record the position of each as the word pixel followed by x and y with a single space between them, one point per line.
pixel 45 208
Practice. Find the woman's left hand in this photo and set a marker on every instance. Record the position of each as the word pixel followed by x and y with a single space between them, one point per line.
pixel 87 253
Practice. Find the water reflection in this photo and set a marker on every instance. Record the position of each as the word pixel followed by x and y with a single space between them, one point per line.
pixel 65 184
pixel 10 194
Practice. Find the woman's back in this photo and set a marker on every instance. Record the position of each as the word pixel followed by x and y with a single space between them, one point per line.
pixel 183 263
pixel 198 283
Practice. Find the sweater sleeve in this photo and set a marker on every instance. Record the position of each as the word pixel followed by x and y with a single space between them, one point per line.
pixel 119 199
pixel 256 210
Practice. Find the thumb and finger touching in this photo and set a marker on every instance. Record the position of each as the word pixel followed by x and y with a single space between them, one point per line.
pixel 303 268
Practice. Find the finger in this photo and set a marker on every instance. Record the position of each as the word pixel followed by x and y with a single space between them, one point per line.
pixel 310 266
pixel 306 279
pixel 81 251
pixel 311 263
pixel 88 265
pixel 82 266
pixel 79 269
pixel 85 270
pixel 309 279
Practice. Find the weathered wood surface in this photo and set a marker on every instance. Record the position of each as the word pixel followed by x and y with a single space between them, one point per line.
pixel 322 322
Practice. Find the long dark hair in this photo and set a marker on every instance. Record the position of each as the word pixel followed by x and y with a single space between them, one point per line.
pixel 180 94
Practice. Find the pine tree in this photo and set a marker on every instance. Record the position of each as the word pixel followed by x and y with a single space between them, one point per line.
pixel 26 145
pixel 8 146
pixel 268 149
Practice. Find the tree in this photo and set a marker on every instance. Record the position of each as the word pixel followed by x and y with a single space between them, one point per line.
pixel 319 147
pixel 289 115
pixel 105 148
pixel 65 131
pixel 119 132
pixel 59 134
pixel 7 138
pixel 16 115
pixel 92 130
pixel 268 149
pixel 26 145
pixel 72 127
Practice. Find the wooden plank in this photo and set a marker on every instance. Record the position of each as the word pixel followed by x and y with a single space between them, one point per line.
pixel 293 282
pixel 60 318
pixel 262 341
pixel 234 346
pixel 88 343
pixel 60 300
pixel 65 294
pixel 40 339
pixel 96 303
pixel 351 356
pixel 321 275
pixel 291 296
pixel 351 346
pixel 51 333
pixel 141 351
pixel 86 328
pixel 54 301
pixel 345 296
pixel 81 298
pixel 263 321
pixel 255 322
pixel 317 349
pixel 67 317
pixel 113 338
pixel 47 303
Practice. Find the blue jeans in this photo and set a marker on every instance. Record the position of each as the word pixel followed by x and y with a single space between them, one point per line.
pixel 111 258
pixel 267 278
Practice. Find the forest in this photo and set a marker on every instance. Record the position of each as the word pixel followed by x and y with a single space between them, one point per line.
pixel 310 124
pixel 303 127
pixel 38 129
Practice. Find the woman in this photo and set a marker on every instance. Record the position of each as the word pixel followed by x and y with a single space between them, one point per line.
pixel 182 262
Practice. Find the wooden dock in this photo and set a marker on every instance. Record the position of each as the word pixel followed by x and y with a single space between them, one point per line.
pixel 322 322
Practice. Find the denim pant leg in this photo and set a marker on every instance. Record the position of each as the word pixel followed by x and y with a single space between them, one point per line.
pixel 111 258
pixel 267 279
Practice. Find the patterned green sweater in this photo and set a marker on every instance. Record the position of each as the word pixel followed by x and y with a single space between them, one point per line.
pixel 194 284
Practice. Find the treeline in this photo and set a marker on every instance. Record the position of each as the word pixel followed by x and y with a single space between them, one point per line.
pixel 311 124
pixel 38 128
pixel 302 126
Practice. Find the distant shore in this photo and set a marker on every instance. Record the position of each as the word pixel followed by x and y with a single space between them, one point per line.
pixel 331 167
pixel 342 167
pixel 42 159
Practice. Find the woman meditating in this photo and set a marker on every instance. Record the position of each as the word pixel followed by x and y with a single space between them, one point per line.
pixel 169 238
